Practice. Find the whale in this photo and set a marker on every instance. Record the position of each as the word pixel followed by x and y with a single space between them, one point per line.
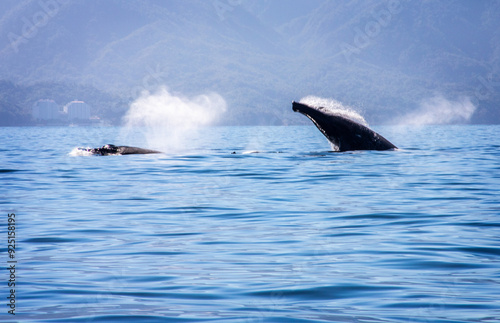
pixel 343 133
pixel 118 150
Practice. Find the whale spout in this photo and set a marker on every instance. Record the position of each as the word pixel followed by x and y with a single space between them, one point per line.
pixel 344 133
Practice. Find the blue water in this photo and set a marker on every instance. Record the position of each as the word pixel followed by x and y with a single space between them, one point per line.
pixel 288 233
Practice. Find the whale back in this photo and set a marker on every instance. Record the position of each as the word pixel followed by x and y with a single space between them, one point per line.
pixel 120 150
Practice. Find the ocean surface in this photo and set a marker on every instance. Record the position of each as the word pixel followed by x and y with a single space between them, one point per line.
pixel 253 224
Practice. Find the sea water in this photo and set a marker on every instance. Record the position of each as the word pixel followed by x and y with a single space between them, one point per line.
pixel 252 224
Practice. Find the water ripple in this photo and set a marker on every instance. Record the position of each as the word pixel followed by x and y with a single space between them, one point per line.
pixel 303 235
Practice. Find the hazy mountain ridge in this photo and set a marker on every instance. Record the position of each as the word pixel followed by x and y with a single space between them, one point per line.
pixel 382 57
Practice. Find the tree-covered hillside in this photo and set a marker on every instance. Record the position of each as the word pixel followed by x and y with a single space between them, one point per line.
pixel 384 58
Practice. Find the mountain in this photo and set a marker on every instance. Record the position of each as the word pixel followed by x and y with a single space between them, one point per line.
pixel 383 58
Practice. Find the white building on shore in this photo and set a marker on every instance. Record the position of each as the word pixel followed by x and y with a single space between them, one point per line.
pixel 77 110
pixel 46 110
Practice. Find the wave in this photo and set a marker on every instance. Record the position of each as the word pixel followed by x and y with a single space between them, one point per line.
pixel 80 151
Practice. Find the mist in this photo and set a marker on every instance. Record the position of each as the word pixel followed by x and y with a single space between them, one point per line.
pixel 168 122
pixel 335 107
pixel 439 110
